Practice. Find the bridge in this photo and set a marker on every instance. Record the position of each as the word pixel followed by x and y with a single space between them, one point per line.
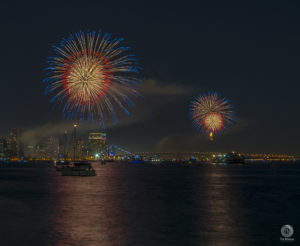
pixel 116 152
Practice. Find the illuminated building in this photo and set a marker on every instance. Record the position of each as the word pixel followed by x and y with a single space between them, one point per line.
pixel 47 149
pixel 29 151
pixel 15 147
pixel 3 147
pixel 51 148
pixel 80 150
pixel 63 147
pixel 96 143
pixel 39 151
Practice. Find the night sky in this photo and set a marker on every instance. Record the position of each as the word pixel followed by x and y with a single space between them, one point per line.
pixel 247 51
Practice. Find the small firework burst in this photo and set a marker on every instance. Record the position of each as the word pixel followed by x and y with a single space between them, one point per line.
pixel 211 113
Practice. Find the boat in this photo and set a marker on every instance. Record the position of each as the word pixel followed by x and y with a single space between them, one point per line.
pixel 77 168
pixel 61 164
pixel 81 168
pixel 234 158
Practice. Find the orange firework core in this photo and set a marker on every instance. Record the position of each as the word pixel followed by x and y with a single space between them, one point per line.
pixel 213 122
pixel 87 79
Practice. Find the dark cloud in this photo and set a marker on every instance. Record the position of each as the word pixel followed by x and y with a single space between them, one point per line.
pixel 182 142
pixel 157 94
pixel 198 142
pixel 153 87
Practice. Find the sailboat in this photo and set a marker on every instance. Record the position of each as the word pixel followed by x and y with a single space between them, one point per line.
pixel 78 168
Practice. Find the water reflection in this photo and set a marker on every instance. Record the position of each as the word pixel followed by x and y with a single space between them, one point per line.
pixel 88 210
pixel 149 205
pixel 140 205
pixel 219 210
pixel 125 205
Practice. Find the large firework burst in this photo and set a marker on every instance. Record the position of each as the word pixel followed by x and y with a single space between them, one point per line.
pixel 211 113
pixel 91 75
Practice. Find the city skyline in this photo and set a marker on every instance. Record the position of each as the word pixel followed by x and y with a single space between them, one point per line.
pixel 97 147
pixel 94 144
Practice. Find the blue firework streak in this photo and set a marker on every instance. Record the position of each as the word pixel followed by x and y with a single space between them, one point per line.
pixel 92 76
pixel 211 113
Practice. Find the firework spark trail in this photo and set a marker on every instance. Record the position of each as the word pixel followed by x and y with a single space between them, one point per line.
pixel 211 113
pixel 91 76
